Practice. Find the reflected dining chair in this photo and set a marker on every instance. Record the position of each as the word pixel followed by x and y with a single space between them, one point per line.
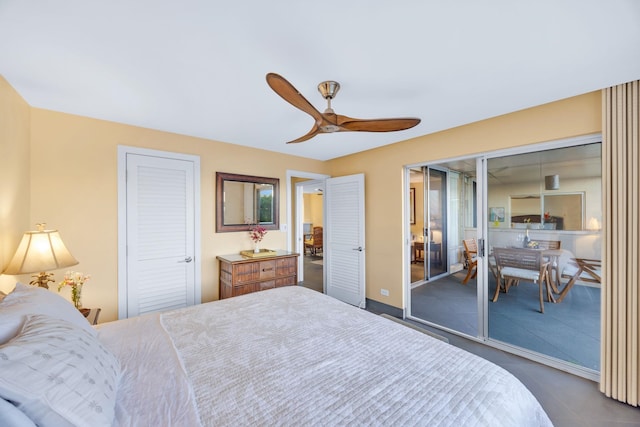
pixel 471 256
pixel 585 270
pixel 518 264
pixel 314 244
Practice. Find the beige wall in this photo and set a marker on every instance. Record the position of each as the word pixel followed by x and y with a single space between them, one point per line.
pixel 313 207
pixel 383 169
pixel 14 176
pixel 74 189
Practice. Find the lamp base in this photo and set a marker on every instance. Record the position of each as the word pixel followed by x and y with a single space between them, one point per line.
pixel 42 279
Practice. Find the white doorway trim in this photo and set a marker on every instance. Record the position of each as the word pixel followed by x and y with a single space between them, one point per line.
pixel 297 174
pixel 302 188
pixel 290 214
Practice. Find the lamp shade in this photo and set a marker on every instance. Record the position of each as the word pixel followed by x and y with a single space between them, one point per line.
pixel 40 251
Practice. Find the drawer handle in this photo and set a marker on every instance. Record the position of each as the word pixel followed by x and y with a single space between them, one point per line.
pixel 267 269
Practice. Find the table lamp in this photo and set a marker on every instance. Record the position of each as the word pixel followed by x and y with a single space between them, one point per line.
pixel 39 251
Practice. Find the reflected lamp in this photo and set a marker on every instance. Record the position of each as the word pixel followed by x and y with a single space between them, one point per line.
pixel 38 252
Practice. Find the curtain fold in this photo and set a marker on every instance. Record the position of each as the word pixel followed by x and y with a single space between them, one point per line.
pixel 620 367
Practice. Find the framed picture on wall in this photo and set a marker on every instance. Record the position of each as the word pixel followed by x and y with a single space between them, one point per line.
pixel 412 205
pixel 496 214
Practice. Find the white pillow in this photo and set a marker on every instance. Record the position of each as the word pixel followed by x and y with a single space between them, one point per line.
pixel 25 300
pixel 10 416
pixel 59 374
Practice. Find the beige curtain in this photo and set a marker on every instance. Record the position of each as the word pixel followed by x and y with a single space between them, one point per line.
pixel 620 367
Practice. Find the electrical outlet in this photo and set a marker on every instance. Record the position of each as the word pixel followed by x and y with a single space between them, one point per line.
pixel 384 292
pixel 283 227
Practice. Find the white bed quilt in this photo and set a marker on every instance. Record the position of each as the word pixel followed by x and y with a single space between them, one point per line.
pixel 291 356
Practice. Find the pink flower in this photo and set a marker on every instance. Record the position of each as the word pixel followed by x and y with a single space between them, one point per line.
pixel 257 233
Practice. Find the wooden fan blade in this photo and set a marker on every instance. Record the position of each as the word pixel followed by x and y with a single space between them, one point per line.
pixel 313 132
pixel 376 125
pixel 290 94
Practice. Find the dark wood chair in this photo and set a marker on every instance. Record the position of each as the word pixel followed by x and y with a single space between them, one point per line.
pixel 314 244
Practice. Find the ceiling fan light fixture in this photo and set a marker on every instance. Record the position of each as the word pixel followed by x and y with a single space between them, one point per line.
pixel 329 128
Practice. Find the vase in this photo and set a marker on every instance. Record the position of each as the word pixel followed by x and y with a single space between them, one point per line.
pixel 76 296
pixel 256 248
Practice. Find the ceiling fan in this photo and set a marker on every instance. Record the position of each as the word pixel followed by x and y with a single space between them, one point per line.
pixel 329 121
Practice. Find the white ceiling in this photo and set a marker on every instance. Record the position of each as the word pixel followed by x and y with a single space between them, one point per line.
pixel 197 67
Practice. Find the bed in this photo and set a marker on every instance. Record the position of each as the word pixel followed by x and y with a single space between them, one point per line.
pixel 286 356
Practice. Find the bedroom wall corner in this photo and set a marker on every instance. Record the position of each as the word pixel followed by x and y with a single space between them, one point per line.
pixel 74 189
pixel 15 180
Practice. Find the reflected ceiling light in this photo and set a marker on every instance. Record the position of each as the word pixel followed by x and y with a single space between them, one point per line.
pixel 552 182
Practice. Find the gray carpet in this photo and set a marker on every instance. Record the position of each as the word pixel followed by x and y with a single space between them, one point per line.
pixel 416 327
pixel 313 273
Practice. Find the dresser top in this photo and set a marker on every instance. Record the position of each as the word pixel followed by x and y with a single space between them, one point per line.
pixel 240 258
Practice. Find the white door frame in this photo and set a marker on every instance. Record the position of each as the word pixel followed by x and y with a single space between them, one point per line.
pixel 123 150
pixel 299 219
pixel 289 208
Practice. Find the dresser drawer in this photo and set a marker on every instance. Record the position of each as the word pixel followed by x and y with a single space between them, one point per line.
pixel 245 273
pixel 287 281
pixel 269 284
pixel 286 266
pixel 267 269
pixel 244 289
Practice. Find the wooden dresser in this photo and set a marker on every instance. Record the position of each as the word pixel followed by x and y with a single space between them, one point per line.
pixel 242 275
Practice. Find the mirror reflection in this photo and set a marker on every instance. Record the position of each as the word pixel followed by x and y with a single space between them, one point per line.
pixel 243 200
pixel 548 211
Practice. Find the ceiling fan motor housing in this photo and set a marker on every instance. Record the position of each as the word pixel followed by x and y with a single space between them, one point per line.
pixel 329 89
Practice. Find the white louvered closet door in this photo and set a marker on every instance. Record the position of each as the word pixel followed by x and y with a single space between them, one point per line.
pixel 344 239
pixel 160 234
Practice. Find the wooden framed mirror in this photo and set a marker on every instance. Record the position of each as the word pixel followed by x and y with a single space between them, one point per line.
pixel 243 200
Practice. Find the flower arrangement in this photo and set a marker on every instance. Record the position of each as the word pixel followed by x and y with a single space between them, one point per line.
pixel 257 233
pixel 75 280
